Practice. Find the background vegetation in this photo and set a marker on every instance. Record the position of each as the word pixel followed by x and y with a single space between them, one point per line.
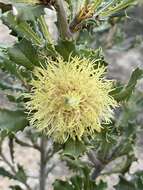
pixel 116 150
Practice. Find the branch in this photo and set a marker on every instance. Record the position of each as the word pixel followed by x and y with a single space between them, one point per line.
pixel 43 163
pixel 62 20
pixel 26 144
pixel 13 169
pixel 110 36
pixel 50 169
pixel 8 163
pixel 97 164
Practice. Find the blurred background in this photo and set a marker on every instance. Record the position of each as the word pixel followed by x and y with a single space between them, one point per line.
pixel 122 44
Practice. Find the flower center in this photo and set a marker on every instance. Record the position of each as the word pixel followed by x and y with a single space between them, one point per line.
pixel 71 101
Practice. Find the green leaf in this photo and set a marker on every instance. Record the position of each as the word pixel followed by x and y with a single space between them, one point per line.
pixel 62 185
pixel 139 180
pixel 74 148
pixel 97 3
pixel 77 182
pixel 116 7
pixel 16 187
pixel 126 92
pixel 101 186
pixel 23 28
pixel 26 1
pixel 135 184
pixel 20 175
pixel 5 173
pixel 22 55
pixel 74 164
pixel 6 86
pixel 45 30
pixel 95 55
pixel 27 32
pixel 29 12
pixel 8 65
pixel 12 121
pixel 125 185
pixel 66 48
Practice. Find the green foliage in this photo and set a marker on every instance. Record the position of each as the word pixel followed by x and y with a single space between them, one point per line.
pixel 74 148
pixel 135 184
pixel 65 48
pixel 19 175
pixel 5 173
pixel 112 8
pixel 16 187
pixel 12 121
pixel 113 149
pixel 21 55
pixel 126 92
pixel 80 182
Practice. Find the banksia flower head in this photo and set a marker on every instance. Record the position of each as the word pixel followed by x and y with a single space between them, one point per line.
pixel 70 99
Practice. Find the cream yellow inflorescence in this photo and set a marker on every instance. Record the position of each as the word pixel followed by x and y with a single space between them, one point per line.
pixel 70 99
